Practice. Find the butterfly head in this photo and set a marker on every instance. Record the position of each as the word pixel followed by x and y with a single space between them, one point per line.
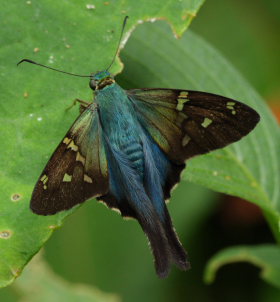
pixel 100 79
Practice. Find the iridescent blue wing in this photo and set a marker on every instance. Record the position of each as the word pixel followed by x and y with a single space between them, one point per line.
pixel 76 171
pixel 187 123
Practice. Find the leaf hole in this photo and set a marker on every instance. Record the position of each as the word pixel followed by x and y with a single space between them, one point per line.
pixel 52 227
pixel 6 234
pixel 16 272
pixel 16 197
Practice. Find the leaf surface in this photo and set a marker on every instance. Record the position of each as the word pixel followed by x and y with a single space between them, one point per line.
pixel 73 36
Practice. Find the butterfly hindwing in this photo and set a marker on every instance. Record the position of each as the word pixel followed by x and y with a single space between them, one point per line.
pixel 77 169
pixel 187 123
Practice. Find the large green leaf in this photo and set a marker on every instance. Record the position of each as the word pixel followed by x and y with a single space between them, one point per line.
pixel 68 35
pixel 39 283
pixel 266 257
pixel 250 168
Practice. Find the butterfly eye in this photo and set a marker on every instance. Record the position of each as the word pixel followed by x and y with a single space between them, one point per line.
pixel 92 84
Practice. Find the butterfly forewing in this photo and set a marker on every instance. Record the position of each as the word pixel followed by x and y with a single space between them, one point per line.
pixel 187 123
pixel 77 169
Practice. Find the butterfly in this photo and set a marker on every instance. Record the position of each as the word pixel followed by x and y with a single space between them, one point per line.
pixel 128 148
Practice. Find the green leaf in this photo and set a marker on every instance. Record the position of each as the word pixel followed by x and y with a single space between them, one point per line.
pixel 266 257
pixel 250 168
pixel 39 283
pixel 75 38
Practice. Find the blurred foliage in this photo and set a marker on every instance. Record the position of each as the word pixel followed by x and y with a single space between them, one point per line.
pixel 39 284
pixel 95 246
pixel 247 33
pixel 264 256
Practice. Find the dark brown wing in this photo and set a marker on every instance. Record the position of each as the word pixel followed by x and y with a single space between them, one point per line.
pixel 187 123
pixel 76 171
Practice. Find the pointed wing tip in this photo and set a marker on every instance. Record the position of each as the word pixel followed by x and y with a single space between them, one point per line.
pixel 255 116
pixel 258 118
pixel 252 122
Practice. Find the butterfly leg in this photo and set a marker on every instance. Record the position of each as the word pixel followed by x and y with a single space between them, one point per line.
pixel 83 105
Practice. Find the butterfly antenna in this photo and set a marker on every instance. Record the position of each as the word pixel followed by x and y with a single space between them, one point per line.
pixel 123 26
pixel 35 63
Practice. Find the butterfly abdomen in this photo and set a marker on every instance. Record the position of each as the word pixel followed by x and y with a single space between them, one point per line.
pixel 134 152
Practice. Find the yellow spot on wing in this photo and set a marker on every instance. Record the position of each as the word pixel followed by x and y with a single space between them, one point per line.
pixel 87 179
pixel 185 140
pixel 44 179
pixel 207 121
pixel 73 146
pixel 66 140
pixel 80 158
pixel 182 99
pixel 183 94
pixel 180 104
pixel 230 106
pixel 67 178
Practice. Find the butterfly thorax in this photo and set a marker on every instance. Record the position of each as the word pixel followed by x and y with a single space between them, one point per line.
pixel 120 124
